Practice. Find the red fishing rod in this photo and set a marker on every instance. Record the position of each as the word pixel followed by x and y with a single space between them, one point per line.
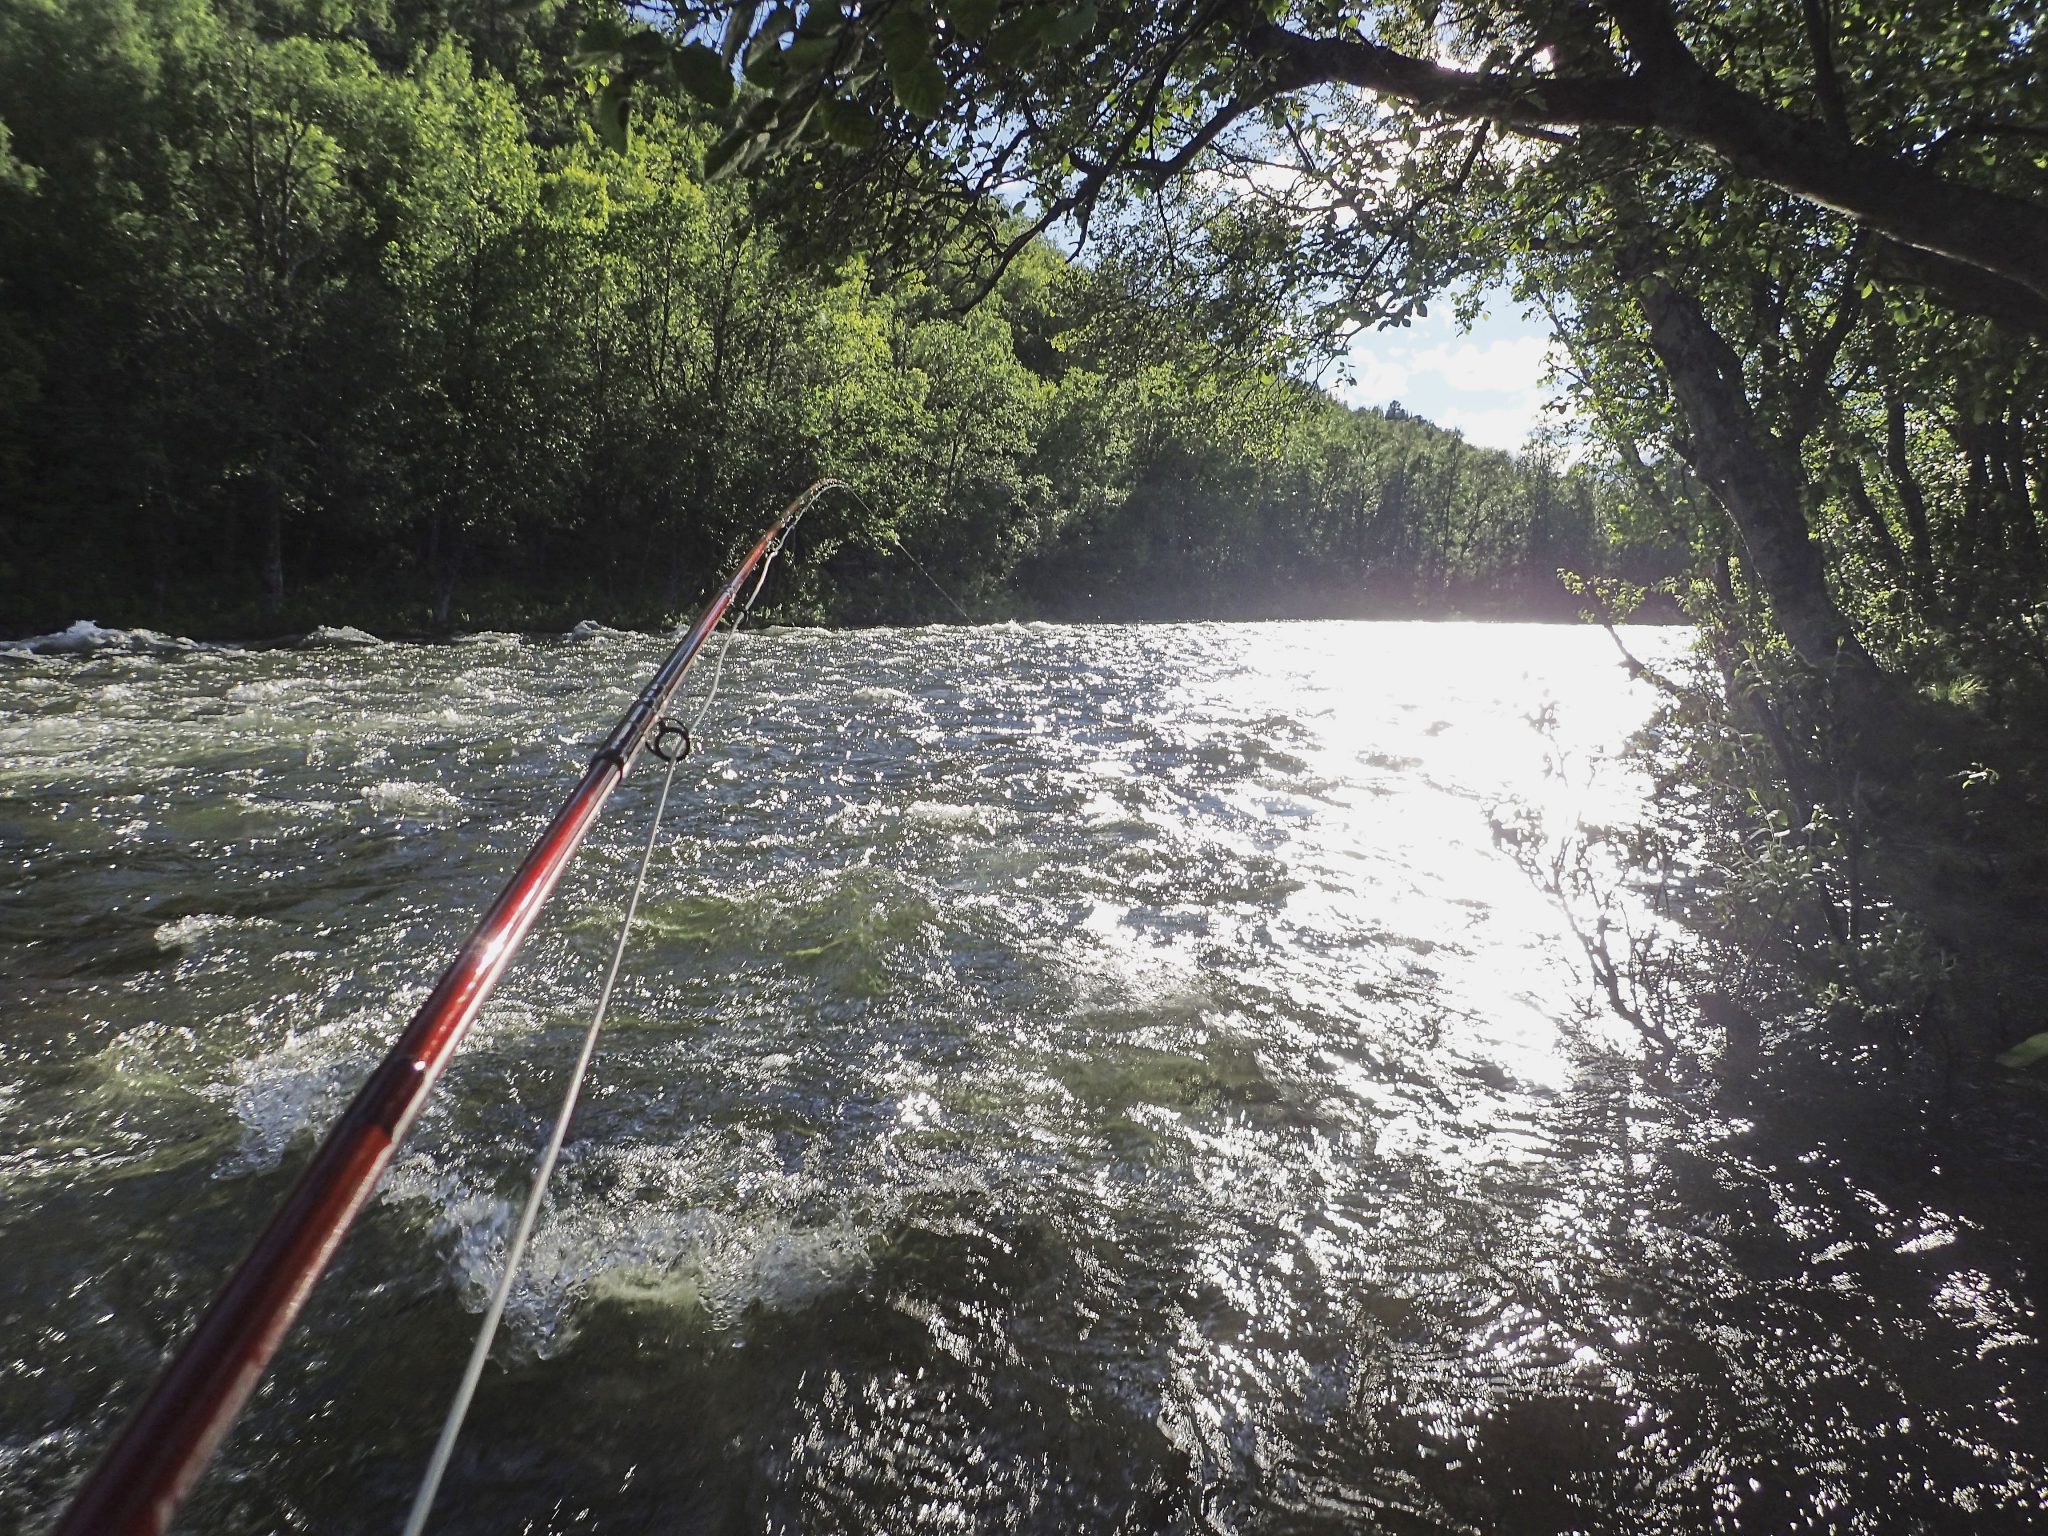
pixel 167 1444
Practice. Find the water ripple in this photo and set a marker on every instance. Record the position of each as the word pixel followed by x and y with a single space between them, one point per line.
pixel 1067 1078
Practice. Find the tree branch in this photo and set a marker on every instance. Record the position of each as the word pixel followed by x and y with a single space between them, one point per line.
pixel 1827 85
pixel 1804 409
pixel 1911 204
pixel 1155 171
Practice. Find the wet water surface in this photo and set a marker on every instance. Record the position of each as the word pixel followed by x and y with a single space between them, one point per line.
pixel 1094 1079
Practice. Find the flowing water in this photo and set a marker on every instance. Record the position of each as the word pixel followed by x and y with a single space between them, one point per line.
pixel 1067 1079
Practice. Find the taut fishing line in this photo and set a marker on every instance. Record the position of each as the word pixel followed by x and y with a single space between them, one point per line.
pixel 671 743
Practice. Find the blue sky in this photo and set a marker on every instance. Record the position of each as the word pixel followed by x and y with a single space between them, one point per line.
pixel 1486 382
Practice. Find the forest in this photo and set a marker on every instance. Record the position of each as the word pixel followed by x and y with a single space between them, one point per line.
pixel 351 314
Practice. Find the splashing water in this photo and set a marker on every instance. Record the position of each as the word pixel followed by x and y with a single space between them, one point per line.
pixel 1066 1079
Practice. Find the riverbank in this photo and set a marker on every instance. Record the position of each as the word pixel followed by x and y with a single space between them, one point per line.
pixel 83 637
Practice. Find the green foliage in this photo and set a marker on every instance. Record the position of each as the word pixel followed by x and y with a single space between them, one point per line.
pixel 1250 495
pixel 331 320
pixel 2029 1052
pixel 701 72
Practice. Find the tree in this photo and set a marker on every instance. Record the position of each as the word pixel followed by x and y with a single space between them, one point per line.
pixel 1076 98
pixel 344 311
pixel 471 360
pixel 1395 145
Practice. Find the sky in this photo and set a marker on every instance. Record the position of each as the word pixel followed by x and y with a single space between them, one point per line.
pixel 1487 382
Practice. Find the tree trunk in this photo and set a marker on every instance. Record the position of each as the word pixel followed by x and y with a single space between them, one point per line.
pixel 1756 477
pixel 443 568
pixel 270 497
pixel 2026 532
pixel 1912 501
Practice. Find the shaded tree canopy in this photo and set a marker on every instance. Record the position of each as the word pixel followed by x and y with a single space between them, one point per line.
pixel 322 312
pixel 1918 124
pixel 1723 189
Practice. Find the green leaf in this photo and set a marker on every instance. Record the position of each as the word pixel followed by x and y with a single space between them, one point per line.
pixel 760 115
pixel 823 18
pixel 920 86
pixel 767 69
pixel 918 83
pixel 848 123
pixel 1071 26
pixel 812 53
pixel 600 45
pixel 731 153
pixel 2027 1052
pixel 646 48
pixel 804 130
pixel 615 114
pixel 905 35
pixel 1020 37
pixel 700 71
pixel 972 18
pixel 769 39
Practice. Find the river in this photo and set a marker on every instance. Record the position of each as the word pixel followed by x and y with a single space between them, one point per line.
pixel 1107 1079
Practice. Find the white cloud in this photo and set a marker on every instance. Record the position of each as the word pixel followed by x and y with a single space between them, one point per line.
pixel 1376 379
pixel 1515 363
pixel 1488 384
pixel 1506 426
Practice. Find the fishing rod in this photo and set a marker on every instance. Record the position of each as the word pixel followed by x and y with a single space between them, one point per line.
pixel 137 1489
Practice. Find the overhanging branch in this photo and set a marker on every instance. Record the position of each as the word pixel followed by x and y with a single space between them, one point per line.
pixel 1671 93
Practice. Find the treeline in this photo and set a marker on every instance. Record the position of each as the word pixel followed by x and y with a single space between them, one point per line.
pixel 341 311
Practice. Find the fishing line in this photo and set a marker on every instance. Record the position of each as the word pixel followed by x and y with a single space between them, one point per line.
pixel 167 1442
pixel 515 1252
pixel 928 576
pixel 896 547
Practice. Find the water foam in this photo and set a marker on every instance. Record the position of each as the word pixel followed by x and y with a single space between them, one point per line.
pixel 336 637
pixel 411 800
pixel 196 931
pixel 86 638
pixel 617 1230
